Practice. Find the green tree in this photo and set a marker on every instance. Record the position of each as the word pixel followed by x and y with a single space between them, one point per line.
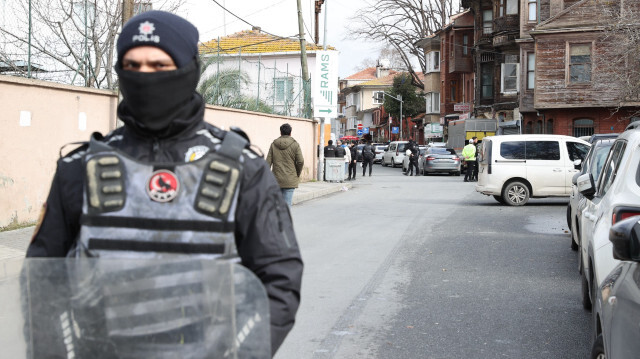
pixel 412 97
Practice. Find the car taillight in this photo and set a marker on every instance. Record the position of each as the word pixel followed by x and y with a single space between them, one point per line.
pixel 456 159
pixel 430 158
pixel 620 213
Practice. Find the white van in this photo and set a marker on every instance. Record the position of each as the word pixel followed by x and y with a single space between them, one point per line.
pixel 394 155
pixel 514 168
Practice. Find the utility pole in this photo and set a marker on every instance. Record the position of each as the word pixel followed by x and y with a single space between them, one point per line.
pixel 317 28
pixel 127 11
pixel 303 60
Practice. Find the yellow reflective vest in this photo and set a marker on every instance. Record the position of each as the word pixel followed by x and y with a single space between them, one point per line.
pixel 469 152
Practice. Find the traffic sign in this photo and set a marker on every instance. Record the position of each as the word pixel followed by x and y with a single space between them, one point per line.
pixel 365 130
pixel 359 133
pixel 325 84
pixel 359 126
pixel 395 129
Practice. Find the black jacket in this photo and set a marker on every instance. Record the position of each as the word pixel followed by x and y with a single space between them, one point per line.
pixel 354 153
pixel 264 233
pixel 340 151
pixel 329 151
pixel 368 152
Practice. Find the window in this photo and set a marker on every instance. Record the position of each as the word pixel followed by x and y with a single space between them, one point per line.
pixel 577 151
pixel 549 129
pixel 451 46
pixel 433 61
pixel 528 129
pixel 284 89
pixel 487 21
pixel 433 102
pixel 611 167
pixel 538 128
pixel 582 127
pixel 542 150
pixel 532 9
pixel 508 7
pixel 513 150
pixel 509 79
pixel 454 90
pixel 531 70
pixel 378 97
pixel 579 63
pixel 351 122
pixel 465 45
pixel 486 81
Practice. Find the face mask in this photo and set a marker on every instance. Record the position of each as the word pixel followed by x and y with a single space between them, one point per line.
pixel 155 98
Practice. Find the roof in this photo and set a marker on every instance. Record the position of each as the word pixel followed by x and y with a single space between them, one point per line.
pixel 367 74
pixel 382 81
pixel 255 42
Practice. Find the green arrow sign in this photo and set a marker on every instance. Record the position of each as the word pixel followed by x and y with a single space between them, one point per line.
pixel 327 110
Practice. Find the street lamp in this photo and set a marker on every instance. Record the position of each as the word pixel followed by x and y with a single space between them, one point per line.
pixel 399 98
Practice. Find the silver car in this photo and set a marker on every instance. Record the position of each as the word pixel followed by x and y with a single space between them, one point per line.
pixel 439 159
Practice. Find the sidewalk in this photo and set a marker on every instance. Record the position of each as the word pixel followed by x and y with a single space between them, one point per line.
pixel 13 244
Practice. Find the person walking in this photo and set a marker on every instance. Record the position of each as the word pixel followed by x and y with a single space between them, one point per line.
pixel 475 168
pixel 286 162
pixel 412 151
pixel 368 155
pixel 353 164
pixel 469 155
pixel 185 187
pixel 347 159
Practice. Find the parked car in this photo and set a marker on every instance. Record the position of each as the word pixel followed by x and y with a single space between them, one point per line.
pixel 379 150
pixel 617 304
pixel 394 155
pixel 514 168
pixel 593 163
pixel 614 197
pixel 602 136
pixel 439 159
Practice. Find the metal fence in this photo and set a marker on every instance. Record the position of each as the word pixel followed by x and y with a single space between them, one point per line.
pixel 271 84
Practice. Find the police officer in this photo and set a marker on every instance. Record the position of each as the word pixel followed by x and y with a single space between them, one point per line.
pixel 152 160
pixel 469 155
pixel 413 157
pixel 368 155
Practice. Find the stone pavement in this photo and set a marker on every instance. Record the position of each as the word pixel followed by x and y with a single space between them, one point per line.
pixel 13 244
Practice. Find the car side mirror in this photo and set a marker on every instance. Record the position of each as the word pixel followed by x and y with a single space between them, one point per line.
pixel 574 179
pixel 625 236
pixel 577 164
pixel 586 186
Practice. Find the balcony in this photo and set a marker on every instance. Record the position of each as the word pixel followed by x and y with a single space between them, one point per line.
pixel 508 23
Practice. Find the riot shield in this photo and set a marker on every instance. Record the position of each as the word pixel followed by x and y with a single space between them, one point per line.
pixel 93 308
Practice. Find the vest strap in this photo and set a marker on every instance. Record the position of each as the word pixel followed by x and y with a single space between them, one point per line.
pixel 156 224
pixel 133 245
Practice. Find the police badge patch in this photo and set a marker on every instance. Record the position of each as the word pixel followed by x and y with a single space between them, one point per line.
pixel 163 186
pixel 195 153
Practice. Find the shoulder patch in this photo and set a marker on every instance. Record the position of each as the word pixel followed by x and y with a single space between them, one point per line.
pixel 195 153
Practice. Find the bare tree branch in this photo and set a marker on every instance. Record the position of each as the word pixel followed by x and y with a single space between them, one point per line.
pixel 400 23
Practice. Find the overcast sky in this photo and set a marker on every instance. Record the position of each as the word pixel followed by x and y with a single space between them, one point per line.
pixel 280 17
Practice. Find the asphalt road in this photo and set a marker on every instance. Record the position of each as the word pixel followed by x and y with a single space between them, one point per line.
pixel 425 267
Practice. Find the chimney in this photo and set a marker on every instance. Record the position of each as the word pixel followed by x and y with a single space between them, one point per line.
pixel 382 68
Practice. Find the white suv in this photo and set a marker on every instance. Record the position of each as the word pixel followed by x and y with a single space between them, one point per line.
pixel 614 197
pixel 514 168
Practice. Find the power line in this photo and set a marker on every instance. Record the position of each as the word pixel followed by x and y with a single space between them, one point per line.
pixel 246 22
pixel 253 13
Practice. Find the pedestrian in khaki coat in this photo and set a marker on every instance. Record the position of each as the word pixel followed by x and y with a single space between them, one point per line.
pixel 286 161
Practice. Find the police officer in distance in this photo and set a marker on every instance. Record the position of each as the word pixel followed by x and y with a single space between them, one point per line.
pixel 164 133
pixel 368 155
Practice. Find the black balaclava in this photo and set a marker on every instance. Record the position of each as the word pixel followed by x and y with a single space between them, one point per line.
pixel 159 103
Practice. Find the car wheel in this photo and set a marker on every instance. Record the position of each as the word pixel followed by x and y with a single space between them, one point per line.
pixel 516 194
pixel 499 199
pixel 569 216
pixel 597 350
pixel 584 288
pixel 574 245
pixel 393 163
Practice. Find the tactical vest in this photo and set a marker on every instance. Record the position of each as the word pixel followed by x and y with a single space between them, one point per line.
pixel 133 209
